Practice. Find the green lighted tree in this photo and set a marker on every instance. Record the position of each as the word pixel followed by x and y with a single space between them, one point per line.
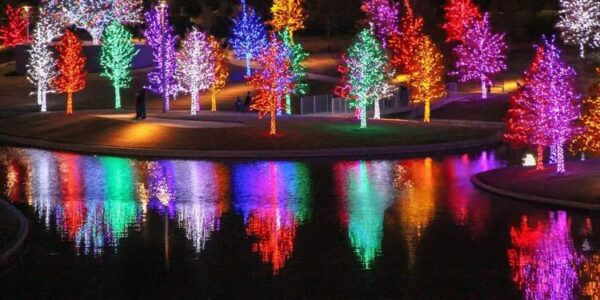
pixel 297 58
pixel 116 57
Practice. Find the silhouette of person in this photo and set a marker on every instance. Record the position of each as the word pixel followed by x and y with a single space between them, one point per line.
pixel 140 105
pixel 248 101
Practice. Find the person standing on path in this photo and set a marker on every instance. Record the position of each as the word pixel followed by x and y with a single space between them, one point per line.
pixel 140 105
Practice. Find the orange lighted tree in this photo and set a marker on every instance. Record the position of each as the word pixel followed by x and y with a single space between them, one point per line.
pixel 71 67
pixel 403 43
pixel 287 15
pixel 427 79
pixel 221 70
pixel 589 139
pixel 273 82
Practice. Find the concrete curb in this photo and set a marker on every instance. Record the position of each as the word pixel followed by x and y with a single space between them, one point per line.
pixel 399 151
pixel 530 198
pixel 20 236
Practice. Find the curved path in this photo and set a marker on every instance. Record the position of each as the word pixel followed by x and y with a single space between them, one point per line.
pixel 14 227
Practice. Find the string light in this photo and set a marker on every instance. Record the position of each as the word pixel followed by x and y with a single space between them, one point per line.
pixel 297 58
pixel 221 71
pixel 580 23
pixel 41 69
pixel 249 36
pixel 382 15
pixel 15 31
pixel 458 14
pixel 288 15
pixel 71 67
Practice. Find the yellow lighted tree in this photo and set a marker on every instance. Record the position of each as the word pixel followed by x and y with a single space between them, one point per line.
pixel 427 78
pixel 221 70
pixel 589 139
pixel 287 15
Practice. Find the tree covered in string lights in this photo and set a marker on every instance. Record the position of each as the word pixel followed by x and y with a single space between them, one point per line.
pixel 458 15
pixel 366 64
pixel 588 140
pixel 382 15
pixel 288 15
pixel 249 35
pixel 481 55
pixel 52 28
pixel 195 66
pixel 404 42
pixel 162 79
pixel 116 58
pixel 14 32
pixel 71 68
pixel 221 70
pixel 273 82
pixel 343 89
pixel 580 23
pixel 427 79
pixel 297 60
pixel 41 69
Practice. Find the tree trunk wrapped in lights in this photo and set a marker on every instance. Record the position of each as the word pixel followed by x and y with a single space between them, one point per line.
pixel 41 70
pixel 71 67
pixel 221 71
pixel 297 59
pixel 15 31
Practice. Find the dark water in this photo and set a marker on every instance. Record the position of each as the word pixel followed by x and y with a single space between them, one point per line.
pixel 105 227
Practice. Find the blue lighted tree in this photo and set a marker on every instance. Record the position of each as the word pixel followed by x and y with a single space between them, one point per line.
pixel 249 35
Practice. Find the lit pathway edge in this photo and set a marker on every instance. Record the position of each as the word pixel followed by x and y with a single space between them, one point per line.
pixel 341 153
pixel 530 198
pixel 20 236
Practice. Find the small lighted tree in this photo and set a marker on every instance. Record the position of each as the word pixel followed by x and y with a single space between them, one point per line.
pixel 580 23
pixel 195 66
pixel 162 79
pixel 297 59
pixel 71 67
pixel 41 69
pixel 273 82
pixel 15 31
pixel 589 139
pixel 288 15
pixel 116 58
pixel 459 14
pixel 427 78
pixel 404 42
pixel 366 64
pixel 249 36
pixel 481 55
pixel 221 70
pixel 382 15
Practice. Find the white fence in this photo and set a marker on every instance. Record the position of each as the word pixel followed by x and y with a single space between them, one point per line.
pixel 328 104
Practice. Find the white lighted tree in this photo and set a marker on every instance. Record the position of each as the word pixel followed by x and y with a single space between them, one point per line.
pixel 580 23
pixel 41 69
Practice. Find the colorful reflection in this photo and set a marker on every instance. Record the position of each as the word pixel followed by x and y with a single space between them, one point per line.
pixel 364 189
pixel 274 198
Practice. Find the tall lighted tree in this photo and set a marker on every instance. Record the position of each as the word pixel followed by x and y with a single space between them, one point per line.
pixel 273 82
pixel 14 32
pixel 404 42
pixel 297 59
pixel 41 69
pixel 221 70
pixel 382 15
pixel 195 66
pixel 427 78
pixel 580 23
pixel 71 67
pixel 249 36
pixel 458 15
pixel 366 64
pixel 162 79
pixel 288 15
pixel 116 58
pixel 481 55
pixel 52 28
pixel 589 139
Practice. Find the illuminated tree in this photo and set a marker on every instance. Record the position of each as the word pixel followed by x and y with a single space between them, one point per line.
pixel 287 15
pixel 249 36
pixel 15 31
pixel 71 68
pixel 343 89
pixel 580 23
pixel 366 63
pixel 116 57
pixel 52 28
pixel 41 69
pixel 195 66
pixel 297 58
pixel 404 42
pixel 162 79
pixel 382 15
pixel 589 138
pixel 427 79
pixel 481 55
pixel 221 70
pixel 273 82
pixel 459 14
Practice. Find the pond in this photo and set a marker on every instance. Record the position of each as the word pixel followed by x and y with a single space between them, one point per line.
pixel 109 227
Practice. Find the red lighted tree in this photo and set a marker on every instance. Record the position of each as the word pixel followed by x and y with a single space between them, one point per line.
pixel 405 41
pixel 343 88
pixel 15 30
pixel 458 14
pixel 71 67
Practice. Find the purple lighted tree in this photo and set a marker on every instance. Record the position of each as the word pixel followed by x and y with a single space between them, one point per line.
pixel 481 55
pixel 159 35
pixel 382 15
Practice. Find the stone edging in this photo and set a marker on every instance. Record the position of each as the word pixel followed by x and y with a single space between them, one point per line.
pixel 530 198
pixel 20 236
pixel 400 151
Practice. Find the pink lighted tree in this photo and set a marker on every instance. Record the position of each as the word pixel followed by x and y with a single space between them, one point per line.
pixel 481 55
pixel 382 16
